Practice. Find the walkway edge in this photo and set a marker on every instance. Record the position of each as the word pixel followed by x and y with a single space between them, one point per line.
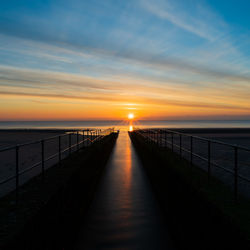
pixel 51 220
pixel 196 223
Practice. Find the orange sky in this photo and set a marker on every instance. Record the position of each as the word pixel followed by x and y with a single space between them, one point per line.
pixel 34 106
pixel 82 60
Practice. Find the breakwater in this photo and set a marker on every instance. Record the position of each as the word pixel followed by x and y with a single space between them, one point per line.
pixel 50 208
pixel 202 214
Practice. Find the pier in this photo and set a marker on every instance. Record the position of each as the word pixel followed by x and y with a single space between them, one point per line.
pixel 125 213
pixel 143 189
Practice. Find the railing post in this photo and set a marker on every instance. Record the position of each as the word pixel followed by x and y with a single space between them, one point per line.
pixel 17 173
pixel 153 137
pixel 191 150
pixel 83 139
pixel 165 134
pixel 59 149
pixel 180 146
pixel 209 161
pixel 77 140
pixel 88 142
pixel 42 142
pixel 69 143
pixel 172 134
pixel 235 174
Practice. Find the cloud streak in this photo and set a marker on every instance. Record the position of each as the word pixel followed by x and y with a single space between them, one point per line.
pixel 163 55
pixel 200 26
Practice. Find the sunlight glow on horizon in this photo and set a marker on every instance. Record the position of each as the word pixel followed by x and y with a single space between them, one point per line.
pixel 199 69
pixel 131 116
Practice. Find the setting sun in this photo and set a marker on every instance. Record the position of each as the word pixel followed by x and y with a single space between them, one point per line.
pixel 131 116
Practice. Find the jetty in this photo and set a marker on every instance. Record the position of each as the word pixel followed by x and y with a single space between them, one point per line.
pixel 143 189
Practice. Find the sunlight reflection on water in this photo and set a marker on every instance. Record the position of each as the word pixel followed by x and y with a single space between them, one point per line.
pixel 124 214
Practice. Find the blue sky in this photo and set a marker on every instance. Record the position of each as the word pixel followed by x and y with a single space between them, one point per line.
pixel 162 58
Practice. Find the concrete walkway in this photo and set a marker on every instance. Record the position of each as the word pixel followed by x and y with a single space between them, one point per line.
pixel 124 213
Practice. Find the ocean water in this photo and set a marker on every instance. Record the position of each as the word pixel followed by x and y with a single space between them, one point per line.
pixel 124 125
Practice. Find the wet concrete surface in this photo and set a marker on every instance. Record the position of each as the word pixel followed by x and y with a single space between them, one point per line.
pixel 124 213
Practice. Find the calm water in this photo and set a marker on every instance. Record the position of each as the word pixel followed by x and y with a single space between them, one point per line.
pixel 124 214
pixel 123 125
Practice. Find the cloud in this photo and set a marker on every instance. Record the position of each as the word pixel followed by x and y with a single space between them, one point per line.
pixel 146 101
pixel 142 57
pixel 77 54
pixel 198 21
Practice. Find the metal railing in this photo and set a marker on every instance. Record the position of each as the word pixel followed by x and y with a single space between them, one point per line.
pixel 51 149
pixel 208 154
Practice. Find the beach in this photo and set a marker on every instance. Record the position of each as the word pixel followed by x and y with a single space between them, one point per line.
pixel 220 154
pixel 30 154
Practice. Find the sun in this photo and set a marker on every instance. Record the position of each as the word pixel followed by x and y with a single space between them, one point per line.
pixel 131 116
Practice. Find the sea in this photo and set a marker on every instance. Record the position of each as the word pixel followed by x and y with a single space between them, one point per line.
pixel 125 125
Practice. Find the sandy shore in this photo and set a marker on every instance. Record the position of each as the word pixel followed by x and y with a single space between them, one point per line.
pixel 30 154
pixel 221 155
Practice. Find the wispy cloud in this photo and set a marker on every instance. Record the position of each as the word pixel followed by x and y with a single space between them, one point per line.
pixel 163 55
pixel 121 99
pixel 194 17
pixel 56 85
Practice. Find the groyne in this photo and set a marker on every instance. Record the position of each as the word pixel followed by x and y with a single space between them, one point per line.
pixel 49 209
pixel 201 215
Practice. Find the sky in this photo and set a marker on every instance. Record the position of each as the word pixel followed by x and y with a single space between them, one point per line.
pixel 96 59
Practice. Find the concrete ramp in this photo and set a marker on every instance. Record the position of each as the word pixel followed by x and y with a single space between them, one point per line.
pixel 124 213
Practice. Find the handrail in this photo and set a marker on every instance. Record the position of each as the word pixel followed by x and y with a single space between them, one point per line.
pixel 154 135
pixel 201 138
pixel 211 140
pixel 92 136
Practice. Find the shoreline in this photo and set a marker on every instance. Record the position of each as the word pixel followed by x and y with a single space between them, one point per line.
pixel 179 129
pixel 212 130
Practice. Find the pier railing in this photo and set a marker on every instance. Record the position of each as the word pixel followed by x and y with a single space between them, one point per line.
pixel 33 158
pixel 228 162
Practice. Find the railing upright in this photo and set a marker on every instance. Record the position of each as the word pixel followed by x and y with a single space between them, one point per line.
pixel 69 143
pixel 77 140
pixel 17 173
pixel 172 138
pixel 191 150
pixel 59 149
pixel 165 134
pixel 42 143
pixel 209 161
pixel 235 173
pixel 88 137
pixel 83 138
pixel 180 146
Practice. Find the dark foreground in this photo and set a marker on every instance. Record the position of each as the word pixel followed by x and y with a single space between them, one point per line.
pixel 134 196
pixel 198 218
pixel 49 212
pixel 124 213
